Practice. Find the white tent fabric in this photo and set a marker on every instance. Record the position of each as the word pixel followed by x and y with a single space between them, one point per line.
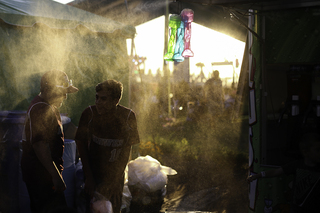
pixel 57 15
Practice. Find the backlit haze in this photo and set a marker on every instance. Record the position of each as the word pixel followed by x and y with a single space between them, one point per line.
pixel 63 1
pixel 208 46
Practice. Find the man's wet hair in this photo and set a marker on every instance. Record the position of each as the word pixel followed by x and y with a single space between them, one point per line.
pixel 113 86
pixel 308 139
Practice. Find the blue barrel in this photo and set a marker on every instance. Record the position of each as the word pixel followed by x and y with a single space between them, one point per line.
pixel 24 200
pixel 80 200
pixel 3 176
pixel 68 174
pixel 11 129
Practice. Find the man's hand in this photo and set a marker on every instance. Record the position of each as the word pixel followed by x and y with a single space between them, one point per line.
pixel 59 184
pixel 43 153
pixel 114 190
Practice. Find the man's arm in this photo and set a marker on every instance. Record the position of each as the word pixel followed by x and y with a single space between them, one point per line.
pixel 41 120
pixel 42 151
pixel 82 139
pixel 117 185
pixel 83 152
pixel 134 133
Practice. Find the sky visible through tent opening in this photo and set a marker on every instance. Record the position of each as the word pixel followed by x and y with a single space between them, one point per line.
pixel 63 1
pixel 208 46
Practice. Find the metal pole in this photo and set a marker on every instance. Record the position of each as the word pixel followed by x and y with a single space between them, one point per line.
pixel 165 64
pixel 130 71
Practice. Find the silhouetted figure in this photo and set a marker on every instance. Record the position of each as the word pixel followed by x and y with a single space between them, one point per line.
pixel 214 96
pixel 43 144
pixel 306 184
pixel 105 135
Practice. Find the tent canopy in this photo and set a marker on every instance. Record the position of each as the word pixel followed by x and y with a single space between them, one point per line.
pixel 136 12
pixel 59 16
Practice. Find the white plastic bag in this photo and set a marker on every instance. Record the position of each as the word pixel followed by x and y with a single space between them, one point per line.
pixel 149 173
pixel 126 198
pixel 99 204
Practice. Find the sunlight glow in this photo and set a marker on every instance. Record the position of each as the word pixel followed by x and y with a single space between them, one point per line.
pixel 63 1
pixel 208 46
pixel 149 42
pixel 212 46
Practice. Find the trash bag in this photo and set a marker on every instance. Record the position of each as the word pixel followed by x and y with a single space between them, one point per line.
pixel 147 181
pixel 149 173
pixel 100 204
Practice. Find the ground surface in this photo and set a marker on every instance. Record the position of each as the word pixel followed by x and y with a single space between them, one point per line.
pixel 210 155
pixel 198 186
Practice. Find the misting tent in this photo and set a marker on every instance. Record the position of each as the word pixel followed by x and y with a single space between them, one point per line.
pixel 39 35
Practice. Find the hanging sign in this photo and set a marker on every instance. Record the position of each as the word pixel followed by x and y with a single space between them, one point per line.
pixel 180 35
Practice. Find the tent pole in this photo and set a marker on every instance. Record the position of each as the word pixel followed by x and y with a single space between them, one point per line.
pixel 166 70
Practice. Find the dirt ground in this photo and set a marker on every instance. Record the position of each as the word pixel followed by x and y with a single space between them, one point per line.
pixel 210 156
pixel 201 186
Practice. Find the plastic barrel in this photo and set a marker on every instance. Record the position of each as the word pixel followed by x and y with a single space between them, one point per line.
pixel 80 200
pixel 11 128
pixel 68 174
pixel 65 119
pixel 24 200
pixel 3 167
